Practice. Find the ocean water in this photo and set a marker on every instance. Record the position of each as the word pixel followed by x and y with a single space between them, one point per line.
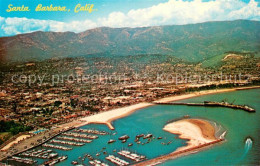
pixel 243 133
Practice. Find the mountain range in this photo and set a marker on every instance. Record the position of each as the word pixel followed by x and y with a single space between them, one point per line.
pixel 192 42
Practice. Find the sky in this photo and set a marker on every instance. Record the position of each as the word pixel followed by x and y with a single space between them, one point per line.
pixel 122 13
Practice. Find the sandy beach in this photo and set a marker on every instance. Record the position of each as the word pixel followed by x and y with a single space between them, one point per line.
pixel 196 131
pixel 195 94
pixel 109 116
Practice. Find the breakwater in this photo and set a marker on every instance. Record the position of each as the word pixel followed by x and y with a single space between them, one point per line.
pixel 176 154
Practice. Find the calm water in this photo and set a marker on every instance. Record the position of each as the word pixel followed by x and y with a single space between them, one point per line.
pixel 239 124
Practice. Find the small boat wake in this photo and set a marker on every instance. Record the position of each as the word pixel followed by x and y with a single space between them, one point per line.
pixel 248 146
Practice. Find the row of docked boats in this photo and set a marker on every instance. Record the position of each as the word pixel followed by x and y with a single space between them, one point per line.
pixel 97 163
pixel 42 153
pixel 66 142
pixel 133 156
pixel 90 131
pixel 74 139
pixel 54 161
pixel 22 160
pixel 72 134
pixel 116 160
pixel 56 146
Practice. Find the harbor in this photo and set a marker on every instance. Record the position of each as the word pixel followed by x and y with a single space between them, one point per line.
pixel 145 136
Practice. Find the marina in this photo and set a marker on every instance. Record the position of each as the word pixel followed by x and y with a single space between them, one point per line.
pixel 118 153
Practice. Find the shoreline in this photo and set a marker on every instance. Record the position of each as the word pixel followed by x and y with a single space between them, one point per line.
pixel 108 117
pixel 200 134
pixel 114 114
pixel 196 131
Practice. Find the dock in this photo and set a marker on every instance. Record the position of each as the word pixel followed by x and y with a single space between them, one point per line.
pixel 212 104
pixel 133 156
pixel 90 131
pixel 42 153
pixel 22 160
pixel 74 139
pixel 116 160
pixel 66 142
pixel 56 147
pixel 77 135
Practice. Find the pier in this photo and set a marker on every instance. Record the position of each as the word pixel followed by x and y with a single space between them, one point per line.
pixel 212 104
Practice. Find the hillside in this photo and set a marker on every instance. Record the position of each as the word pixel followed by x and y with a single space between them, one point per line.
pixel 194 42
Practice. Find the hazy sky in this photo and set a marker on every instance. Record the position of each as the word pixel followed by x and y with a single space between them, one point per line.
pixel 122 13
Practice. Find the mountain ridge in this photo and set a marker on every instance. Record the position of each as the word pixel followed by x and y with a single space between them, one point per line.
pixel 192 42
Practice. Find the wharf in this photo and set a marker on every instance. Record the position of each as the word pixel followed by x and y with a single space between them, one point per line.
pixel 211 104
